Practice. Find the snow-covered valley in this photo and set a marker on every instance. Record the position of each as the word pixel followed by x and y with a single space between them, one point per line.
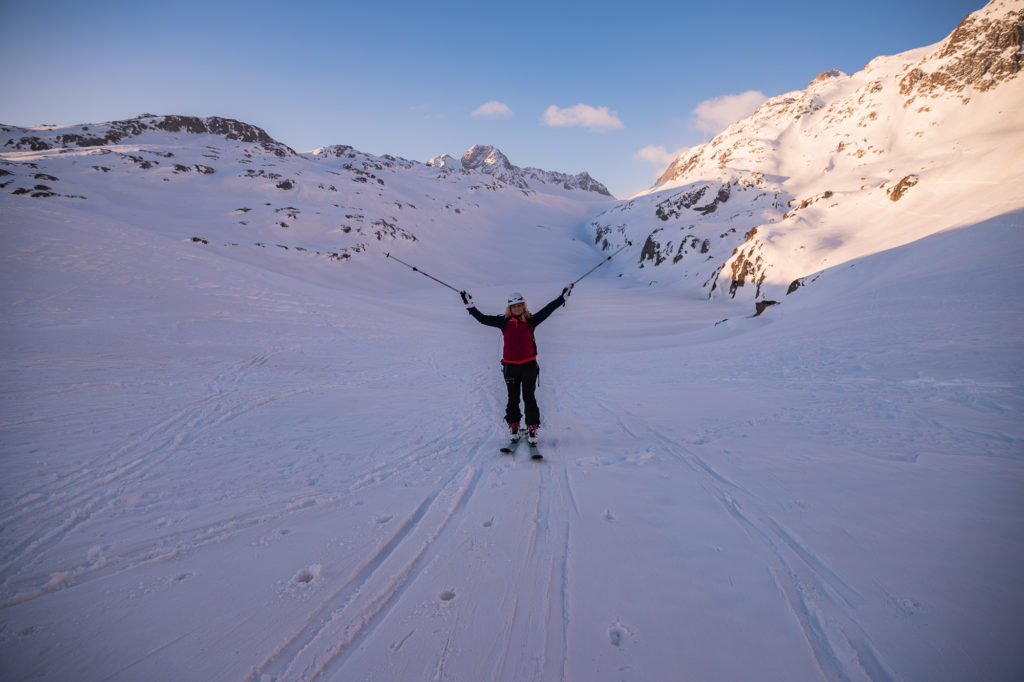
pixel 219 471
pixel 237 442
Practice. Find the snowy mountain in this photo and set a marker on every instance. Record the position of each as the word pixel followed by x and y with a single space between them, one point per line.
pixel 334 203
pixel 237 443
pixel 911 145
pixel 114 133
pixel 487 159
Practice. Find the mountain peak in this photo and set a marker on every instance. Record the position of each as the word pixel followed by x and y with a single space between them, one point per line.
pixel 491 161
pixel 983 52
pixel 481 156
pixel 827 75
pixel 445 161
pixel 787 192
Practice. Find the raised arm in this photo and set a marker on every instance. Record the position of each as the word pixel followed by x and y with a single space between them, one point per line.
pixel 546 311
pixel 489 320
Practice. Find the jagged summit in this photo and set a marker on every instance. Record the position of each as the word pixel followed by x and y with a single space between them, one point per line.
pixel 983 52
pixel 488 159
pixel 485 156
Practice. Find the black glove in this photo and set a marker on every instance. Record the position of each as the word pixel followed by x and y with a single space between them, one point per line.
pixel 566 291
pixel 467 299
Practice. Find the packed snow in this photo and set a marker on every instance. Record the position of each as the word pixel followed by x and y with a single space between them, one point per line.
pixel 278 468
pixel 240 443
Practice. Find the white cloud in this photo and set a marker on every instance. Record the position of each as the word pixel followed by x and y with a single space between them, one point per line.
pixel 583 116
pixel 658 154
pixel 717 113
pixel 493 109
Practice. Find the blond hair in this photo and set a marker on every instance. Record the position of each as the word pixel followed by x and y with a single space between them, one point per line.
pixel 526 312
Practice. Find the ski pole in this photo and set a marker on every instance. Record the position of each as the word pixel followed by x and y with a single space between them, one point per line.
pixel 415 269
pixel 628 243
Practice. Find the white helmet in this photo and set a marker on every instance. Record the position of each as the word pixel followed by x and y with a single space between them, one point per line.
pixel 515 297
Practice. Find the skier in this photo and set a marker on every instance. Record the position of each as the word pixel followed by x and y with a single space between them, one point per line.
pixel 519 356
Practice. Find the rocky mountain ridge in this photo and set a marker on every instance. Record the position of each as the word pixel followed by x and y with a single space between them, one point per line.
pixel 490 160
pixel 849 166
pixel 485 159
pixel 244 189
pixel 913 144
pixel 117 132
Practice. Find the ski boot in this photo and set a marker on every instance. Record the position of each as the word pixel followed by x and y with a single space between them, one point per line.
pixel 531 435
pixel 513 432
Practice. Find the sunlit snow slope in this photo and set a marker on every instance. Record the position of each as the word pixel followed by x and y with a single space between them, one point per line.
pixel 237 442
pixel 264 467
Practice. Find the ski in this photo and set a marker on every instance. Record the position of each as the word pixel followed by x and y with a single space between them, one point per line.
pixel 510 448
pixel 535 453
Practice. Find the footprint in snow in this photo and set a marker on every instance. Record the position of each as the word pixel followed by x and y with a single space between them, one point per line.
pixel 308 575
pixel 618 634
pixel 909 606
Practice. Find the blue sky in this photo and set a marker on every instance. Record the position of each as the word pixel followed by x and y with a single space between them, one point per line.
pixel 413 78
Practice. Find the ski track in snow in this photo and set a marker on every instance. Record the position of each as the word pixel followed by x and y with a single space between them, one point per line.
pixel 57 509
pixel 375 604
pixel 820 599
pixel 351 466
pixel 351 612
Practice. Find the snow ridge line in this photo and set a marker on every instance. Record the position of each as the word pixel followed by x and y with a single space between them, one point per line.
pixel 300 657
pixel 818 597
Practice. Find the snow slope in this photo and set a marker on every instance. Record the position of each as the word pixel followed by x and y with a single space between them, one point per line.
pixel 238 443
pixel 225 468
pixel 911 145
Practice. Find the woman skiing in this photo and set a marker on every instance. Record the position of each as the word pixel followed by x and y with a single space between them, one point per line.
pixel 519 356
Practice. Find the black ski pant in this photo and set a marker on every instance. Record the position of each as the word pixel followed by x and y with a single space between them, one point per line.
pixel 522 379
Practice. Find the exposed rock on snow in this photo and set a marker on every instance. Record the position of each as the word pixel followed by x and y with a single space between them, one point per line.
pixel 118 132
pixel 983 52
pixel 900 188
